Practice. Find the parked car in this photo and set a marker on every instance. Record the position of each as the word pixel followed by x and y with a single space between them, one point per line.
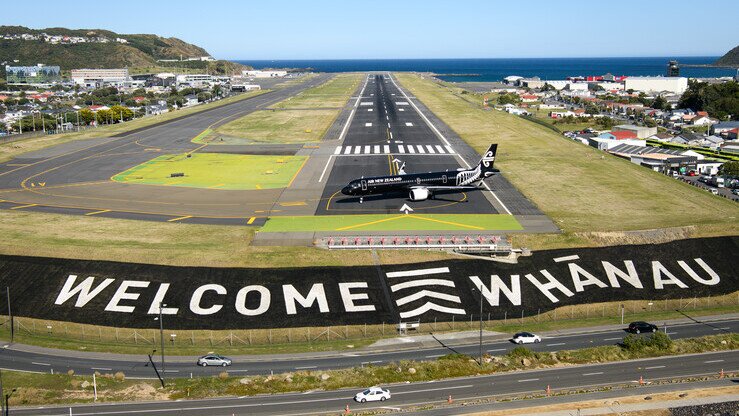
pixel 713 191
pixel 641 326
pixel 372 394
pixel 735 191
pixel 526 338
pixel 214 359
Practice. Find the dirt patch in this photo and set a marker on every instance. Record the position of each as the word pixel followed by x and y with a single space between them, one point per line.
pixel 656 236
pixel 607 403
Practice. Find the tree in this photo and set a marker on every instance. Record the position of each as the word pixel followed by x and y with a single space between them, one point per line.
pixel 508 99
pixel 118 112
pixel 103 116
pixel 730 169
pixel 86 116
pixel 649 122
pixel 659 103
pixel 719 100
pixel 604 122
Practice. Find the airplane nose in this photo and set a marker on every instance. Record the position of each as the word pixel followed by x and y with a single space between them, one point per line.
pixel 346 190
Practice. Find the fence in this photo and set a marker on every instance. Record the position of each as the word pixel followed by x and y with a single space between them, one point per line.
pixel 28 329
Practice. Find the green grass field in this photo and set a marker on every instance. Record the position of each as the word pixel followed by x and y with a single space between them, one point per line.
pixel 401 222
pixel 303 118
pixel 216 171
pixel 582 189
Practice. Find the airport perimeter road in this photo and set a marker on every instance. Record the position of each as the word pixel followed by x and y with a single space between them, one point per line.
pixel 534 381
pixel 132 366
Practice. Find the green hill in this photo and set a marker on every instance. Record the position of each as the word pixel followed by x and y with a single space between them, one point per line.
pixel 730 59
pixel 141 50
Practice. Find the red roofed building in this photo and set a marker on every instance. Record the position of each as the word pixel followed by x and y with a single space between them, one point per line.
pixel 619 135
pixel 139 99
pixel 529 98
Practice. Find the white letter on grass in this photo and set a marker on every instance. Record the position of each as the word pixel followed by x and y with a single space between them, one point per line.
pixel 316 294
pixel 121 294
pixel 85 290
pixel 198 295
pixel 265 298
pixel 492 294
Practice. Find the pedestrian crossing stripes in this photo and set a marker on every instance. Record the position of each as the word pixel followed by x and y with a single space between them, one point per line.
pixel 425 149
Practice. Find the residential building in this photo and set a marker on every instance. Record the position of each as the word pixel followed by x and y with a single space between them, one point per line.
pixel 675 85
pixel 641 132
pixel 688 138
pixel 97 77
pixel 618 135
pixel 724 127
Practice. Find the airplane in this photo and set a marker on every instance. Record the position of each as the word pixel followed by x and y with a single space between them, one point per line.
pixel 422 186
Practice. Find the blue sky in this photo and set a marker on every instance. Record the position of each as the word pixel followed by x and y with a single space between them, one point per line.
pixel 328 29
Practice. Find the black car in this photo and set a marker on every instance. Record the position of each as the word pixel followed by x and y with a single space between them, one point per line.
pixel 641 326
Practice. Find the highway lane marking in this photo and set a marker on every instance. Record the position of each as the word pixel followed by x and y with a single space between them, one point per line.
pixel 435 356
pixel 308 367
pixel 24 206
pixel 179 218
pixel 612 339
pixel 34 362
pixel 527 380
pixel 101 368
pixel 98 212
pixel 554 345
pixel 593 374
pixel 498 349
pixel 713 361
pixel 654 367
pixel 171 371
pixel 723 327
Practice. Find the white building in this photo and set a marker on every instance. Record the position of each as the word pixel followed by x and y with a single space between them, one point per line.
pixel 93 77
pixel 263 74
pixel 675 85
pixel 194 80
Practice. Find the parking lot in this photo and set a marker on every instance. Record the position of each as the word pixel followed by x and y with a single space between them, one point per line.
pixel 724 192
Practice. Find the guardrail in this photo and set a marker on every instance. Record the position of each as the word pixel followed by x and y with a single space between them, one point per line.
pixel 488 243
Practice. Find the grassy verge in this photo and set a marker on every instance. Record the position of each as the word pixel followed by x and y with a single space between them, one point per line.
pixel 289 340
pixel 300 119
pixel 580 188
pixel 383 222
pixel 36 389
pixel 15 149
pixel 216 171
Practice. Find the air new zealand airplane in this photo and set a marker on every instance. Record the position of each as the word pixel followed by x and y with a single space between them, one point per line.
pixel 422 186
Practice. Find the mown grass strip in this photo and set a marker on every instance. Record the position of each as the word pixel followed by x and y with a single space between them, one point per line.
pixel 390 222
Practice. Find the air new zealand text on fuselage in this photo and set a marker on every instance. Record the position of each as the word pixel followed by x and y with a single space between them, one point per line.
pixel 421 186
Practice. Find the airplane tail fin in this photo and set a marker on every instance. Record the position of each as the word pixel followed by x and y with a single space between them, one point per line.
pixel 486 163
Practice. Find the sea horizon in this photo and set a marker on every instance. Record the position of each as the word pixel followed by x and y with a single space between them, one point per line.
pixel 495 69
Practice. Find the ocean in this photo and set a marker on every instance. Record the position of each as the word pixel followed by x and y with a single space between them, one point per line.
pixel 470 70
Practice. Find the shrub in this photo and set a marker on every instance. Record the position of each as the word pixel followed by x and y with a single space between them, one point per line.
pixel 521 352
pixel 660 341
pixel 223 375
pixel 70 372
pixel 119 376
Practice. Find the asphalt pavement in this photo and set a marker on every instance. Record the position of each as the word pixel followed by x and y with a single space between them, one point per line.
pixel 425 393
pixel 24 358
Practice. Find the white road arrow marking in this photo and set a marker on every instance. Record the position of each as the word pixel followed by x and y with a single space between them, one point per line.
pixel 406 208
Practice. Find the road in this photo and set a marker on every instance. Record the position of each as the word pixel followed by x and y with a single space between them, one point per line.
pixel 517 382
pixel 81 363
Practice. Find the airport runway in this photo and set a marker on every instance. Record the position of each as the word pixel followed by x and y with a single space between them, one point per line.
pixel 74 178
pixel 40 360
pixel 385 133
pixel 424 393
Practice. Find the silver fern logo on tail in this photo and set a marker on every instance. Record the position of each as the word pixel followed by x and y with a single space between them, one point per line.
pixel 489 158
pixel 435 299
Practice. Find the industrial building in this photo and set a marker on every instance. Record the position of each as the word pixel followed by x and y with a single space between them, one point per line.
pixel 96 77
pixel 263 73
pixel 642 132
pixel 675 85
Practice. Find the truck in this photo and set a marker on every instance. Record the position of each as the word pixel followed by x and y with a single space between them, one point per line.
pixel 716 181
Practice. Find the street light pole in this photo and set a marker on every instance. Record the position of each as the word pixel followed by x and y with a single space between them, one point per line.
pixel 161 333
pixel 479 289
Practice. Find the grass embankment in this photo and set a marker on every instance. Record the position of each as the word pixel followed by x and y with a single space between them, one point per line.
pixel 582 189
pixel 303 118
pixel 216 171
pixel 65 335
pixel 47 389
pixel 17 148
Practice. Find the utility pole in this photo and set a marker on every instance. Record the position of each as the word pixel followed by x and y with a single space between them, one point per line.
pixel 161 333
pixel 479 289
pixel 10 315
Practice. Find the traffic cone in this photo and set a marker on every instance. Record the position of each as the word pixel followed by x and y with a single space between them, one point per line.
pixel 641 381
pixel 346 410
pixel 549 390
pixel 449 400
pixel 721 374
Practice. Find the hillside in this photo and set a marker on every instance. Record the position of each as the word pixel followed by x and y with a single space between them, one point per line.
pixel 730 59
pixel 99 50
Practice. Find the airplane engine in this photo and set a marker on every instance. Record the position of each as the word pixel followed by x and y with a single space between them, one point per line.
pixel 419 194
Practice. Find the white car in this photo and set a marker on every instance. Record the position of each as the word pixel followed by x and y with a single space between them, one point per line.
pixel 373 394
pixel 526 338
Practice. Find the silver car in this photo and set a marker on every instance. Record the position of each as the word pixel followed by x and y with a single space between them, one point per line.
pixel 214 359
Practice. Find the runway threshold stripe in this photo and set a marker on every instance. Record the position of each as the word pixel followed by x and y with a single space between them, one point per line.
pixel 366 149
pixel 439 148
pixel 98 212
pixel 338 150
pixel 376 149
pixel 23 206
pixel 401 149
pixel 386 148
pixel 179 218
pixel 449 149
pixel 411 149
pixel 430 149
pixel 347 150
